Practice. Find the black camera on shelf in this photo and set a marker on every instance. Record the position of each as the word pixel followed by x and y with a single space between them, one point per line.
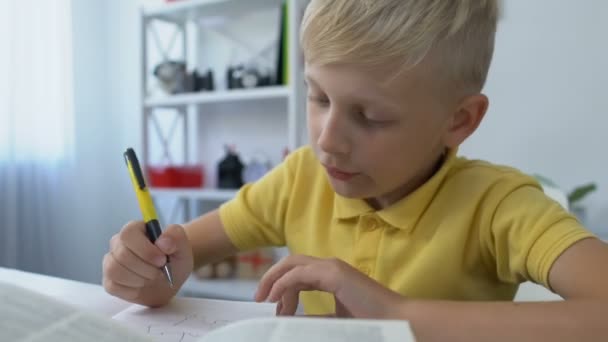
pixel 204 82
pixel 241 77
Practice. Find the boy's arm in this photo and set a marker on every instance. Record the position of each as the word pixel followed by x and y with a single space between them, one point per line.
pixel 208 239
pixel 579 275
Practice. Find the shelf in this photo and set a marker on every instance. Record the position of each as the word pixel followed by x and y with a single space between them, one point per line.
pixel 186 10
pixel 215 195
pixel 230 289
pixel 231 96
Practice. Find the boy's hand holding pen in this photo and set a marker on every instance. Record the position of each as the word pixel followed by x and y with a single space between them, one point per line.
pixel 137 266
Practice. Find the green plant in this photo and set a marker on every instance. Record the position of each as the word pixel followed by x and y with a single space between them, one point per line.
pixel 580 192
pixel 576 195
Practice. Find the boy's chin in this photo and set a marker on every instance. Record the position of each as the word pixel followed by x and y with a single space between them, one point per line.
pixel 349 191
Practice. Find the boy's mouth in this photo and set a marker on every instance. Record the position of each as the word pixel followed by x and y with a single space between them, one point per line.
pixel 339 174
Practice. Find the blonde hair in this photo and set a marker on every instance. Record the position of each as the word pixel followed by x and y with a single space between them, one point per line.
pixel 456 35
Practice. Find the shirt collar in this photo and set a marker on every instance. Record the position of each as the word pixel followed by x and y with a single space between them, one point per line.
pixel 405 213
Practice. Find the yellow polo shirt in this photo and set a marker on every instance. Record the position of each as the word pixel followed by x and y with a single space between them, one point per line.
pixel 474 231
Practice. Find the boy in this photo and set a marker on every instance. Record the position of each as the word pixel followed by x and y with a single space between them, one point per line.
pixel 379 213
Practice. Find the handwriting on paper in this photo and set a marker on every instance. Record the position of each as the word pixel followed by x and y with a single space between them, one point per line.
pixel 188 319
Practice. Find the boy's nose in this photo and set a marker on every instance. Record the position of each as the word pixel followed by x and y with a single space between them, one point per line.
pixel 333 138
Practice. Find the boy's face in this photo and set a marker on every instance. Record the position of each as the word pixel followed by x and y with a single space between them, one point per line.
pixel 379 137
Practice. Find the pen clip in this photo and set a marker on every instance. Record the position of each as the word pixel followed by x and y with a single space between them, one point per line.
pixel 131 158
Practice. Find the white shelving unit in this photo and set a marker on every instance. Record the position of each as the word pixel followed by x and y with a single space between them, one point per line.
pixel 188 10
pixel 221 96
pixel 191 128
pixel 217 195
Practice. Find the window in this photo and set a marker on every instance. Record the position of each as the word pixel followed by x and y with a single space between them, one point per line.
pixel 36 92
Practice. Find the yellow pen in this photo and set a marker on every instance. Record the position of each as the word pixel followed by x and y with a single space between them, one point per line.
pixel 145 204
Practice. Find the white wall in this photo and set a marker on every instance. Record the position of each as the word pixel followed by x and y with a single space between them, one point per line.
pixel 548 88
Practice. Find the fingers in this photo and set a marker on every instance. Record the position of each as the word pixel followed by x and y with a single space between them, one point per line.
pixel 129 260
pixel 119 274
pixel 299 278
pixel 288 305
pixel 119 281
pixel 277 271
pixel 279 308
pixel 341 309
pixel 298 273
pixel 131 269
pixel 174 242
pixel 307 273
pixel 120 291
pixel 133 237
pixel 133 262
pixel 356 294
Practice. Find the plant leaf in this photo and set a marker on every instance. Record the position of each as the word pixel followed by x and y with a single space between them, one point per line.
pixel 580 192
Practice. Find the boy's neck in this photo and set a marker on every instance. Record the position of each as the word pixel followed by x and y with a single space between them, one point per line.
pixel 385 201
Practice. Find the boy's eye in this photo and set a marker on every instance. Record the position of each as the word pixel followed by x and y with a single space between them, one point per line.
pixel 366 121
pixel 319 100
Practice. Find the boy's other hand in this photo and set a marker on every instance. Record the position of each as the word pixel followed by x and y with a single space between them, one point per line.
pixel 356 294
pixel 132 267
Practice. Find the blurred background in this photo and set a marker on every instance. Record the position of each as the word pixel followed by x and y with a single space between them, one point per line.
pixel 207 91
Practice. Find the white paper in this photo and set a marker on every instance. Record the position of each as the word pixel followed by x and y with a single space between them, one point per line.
pixel 313 329
pixel 26 316
pixel 188 319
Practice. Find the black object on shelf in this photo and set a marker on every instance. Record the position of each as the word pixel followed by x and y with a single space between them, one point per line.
pixel 230 171
pixel 204 82
pixel 282 47
pixel 209 81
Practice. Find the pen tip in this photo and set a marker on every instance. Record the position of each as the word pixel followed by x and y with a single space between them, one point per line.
pixel 168 274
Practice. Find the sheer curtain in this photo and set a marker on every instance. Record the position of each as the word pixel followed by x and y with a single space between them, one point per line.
pixel 36 126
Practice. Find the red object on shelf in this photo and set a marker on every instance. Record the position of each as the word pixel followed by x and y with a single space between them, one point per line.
pixel 186 176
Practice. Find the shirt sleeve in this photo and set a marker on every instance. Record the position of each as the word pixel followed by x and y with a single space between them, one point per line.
pixel 528 232
pixel 255 218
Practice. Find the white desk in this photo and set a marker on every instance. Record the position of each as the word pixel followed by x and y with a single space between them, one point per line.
pixel 90 297
pixel 530 292
pixel 94 298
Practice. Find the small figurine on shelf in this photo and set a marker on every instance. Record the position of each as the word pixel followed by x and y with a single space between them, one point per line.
pixel 172 76
pixel 230 170
pixel 224 269
pixel 244 265
pixel 254 264
pixel 256 168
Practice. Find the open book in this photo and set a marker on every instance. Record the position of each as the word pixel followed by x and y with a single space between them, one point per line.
pixel 29 316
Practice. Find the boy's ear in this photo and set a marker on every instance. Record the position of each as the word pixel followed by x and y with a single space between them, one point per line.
pixel 465 120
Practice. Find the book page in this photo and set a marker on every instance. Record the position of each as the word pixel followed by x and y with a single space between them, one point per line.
pixel 188 319
pixel 29 316
pixel 303 329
